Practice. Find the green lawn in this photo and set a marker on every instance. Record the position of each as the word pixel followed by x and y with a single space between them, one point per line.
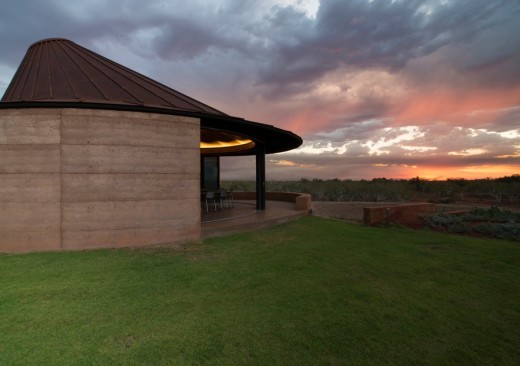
pixel 311 292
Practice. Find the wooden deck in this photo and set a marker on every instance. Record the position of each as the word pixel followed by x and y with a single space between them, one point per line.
pixel 244 217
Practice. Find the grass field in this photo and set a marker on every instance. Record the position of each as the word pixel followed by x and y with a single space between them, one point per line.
pixel 310 292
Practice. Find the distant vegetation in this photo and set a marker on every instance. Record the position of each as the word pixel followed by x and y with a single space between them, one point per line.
pixel 490 222
pixel 499 190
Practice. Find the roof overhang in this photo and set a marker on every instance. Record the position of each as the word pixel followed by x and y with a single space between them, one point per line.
pixel 58 73
pixel 274 139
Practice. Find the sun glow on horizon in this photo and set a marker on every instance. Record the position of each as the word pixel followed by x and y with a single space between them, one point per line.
pixel 446 172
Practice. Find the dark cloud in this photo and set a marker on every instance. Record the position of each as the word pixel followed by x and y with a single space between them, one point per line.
pixel 356 72
pixel 488 56
pixel 182 38
pixel 290 49
pixel 21 21
pixel 509 119
pixel 363 130
pixel 383 34
pixel 25 22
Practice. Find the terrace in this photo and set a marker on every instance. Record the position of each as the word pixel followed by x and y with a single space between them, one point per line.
pixel 244 216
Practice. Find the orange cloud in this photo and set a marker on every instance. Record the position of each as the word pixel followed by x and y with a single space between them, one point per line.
pixel 456 106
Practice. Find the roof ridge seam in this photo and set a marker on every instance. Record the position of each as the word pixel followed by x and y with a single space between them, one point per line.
pixel 65 72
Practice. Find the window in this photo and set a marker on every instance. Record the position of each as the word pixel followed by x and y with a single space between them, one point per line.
pixel 210 173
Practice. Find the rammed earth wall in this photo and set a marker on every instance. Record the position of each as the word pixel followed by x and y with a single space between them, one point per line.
pixel 74 179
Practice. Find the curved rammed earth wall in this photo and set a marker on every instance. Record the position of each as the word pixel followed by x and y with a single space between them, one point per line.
pixel 74 179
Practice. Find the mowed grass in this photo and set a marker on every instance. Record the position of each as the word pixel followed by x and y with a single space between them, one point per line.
pixel 311 292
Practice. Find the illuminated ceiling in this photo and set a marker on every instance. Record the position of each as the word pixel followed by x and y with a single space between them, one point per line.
pixel 219 142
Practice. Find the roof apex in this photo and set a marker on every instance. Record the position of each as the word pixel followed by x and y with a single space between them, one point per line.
pixel 57 69
pixel 49 40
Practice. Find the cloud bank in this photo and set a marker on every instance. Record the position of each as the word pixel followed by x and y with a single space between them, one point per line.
pixel 376 88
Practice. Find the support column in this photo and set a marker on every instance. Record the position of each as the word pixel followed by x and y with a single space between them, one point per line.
pixel 260 177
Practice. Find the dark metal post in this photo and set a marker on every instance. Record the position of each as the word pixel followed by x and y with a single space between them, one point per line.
pixel 260 177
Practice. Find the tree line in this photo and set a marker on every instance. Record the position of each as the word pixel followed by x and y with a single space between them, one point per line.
pixel 499 190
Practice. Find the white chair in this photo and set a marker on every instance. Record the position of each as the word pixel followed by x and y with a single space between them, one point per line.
pixel 223 199
pixel 210 198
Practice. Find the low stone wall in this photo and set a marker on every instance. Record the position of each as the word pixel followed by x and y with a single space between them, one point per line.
pixel 373 213
pixel 302 201
pixel 348 211
pixel 395 214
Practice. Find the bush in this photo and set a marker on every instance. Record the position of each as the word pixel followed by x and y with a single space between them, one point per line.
pixel 508 231
pixel 494 222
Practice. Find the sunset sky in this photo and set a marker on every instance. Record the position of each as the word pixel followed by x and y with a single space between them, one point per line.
pixel 379 88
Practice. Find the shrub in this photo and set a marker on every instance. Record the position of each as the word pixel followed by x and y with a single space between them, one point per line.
pixel 494 222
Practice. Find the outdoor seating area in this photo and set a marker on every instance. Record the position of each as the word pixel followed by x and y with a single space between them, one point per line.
pixel 218 200
pixel 244 217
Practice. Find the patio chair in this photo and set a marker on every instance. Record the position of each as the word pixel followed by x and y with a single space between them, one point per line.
pixel 230 198
pixel 210 199
pixel 223 199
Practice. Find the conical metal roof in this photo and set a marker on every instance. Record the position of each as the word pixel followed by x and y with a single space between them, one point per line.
pixel 59 70
pixel 58 73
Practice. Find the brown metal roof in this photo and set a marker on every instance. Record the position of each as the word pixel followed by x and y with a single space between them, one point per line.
pixel 60 70
pixel 58 73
